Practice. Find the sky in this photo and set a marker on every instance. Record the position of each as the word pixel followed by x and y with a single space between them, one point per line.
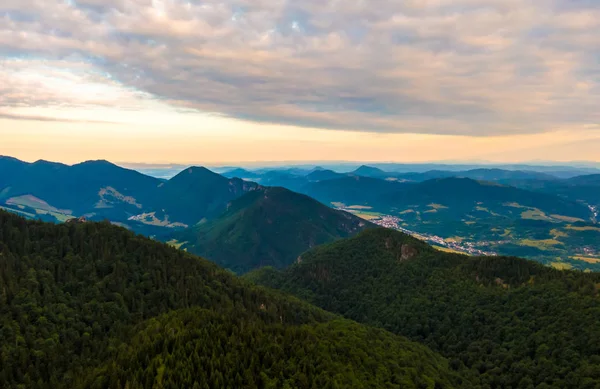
pixel 190 81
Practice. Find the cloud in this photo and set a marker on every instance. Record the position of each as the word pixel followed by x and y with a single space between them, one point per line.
pixel 35 118
pixel 473 67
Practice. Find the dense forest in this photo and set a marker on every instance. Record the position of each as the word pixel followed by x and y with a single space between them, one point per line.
pixel 91 305
pixel 511 323
pixel 267 227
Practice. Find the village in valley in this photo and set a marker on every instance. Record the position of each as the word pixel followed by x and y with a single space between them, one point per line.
pixel 469 248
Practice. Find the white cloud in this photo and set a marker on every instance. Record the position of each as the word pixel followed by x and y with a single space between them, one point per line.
pixel 448 67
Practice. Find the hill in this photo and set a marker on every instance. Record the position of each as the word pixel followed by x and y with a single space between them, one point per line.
pixel 241 173
pixel 588 180
pixel 368 171
pixel 198 193
pixel 267 227
pixel 481 174
pixel 512 322
pixel 101 190
pixel 464 195
pixel 94 188
pixel 323 175
pixel 351 190
pixel 90 305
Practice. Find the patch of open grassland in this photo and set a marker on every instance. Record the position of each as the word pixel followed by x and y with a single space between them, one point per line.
pixel 484 209
pixel 367 215
pixel 35 203
pixel 586 259
pixel 448 250
pixel 543 244
pixel 23 213
pixel 535 214
pixel 568 219
pixel 514 205
pixel 175 243
pixel 561 265
pixel 587 228
pixel 437 206
pixel 359 207
pixel 61 217
pixel 556 233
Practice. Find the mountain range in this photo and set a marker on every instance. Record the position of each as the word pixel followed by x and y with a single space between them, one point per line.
pixel 521 213
pixel 101 190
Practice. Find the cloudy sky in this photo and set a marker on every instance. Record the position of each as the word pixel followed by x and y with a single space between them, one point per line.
pixel 247 80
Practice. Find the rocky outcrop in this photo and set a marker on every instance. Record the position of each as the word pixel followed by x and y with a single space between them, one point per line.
pixel 407 252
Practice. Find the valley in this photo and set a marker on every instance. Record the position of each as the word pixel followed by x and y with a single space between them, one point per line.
pixel 549 240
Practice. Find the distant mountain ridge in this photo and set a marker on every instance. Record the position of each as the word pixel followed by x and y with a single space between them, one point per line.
pixel 101 190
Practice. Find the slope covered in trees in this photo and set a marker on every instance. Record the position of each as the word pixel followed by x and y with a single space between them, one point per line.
pixel 268 227
pixel 90 305
pixel 198 193
pixel 511 322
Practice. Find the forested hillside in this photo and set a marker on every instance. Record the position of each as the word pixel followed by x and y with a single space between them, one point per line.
pixel 511 322
pixel 90 305
pixel 267 227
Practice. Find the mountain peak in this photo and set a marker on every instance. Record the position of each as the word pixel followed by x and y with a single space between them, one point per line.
pixel 268 227
pixel 196 172
pixel 7 158
pixel 96 162
pixel 43 162
pixel 370 171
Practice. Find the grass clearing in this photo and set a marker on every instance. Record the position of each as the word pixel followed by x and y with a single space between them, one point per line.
pixel 35 203
pixel 437 206
pixel 556 233
pixel 484 209
pixel 561 266
pixel 367 215
pixel 544 244
pixel 588 228
pixel 515 205
pixel 448 250
pixel 535 214
pixel 586 259
pixel 359 207
pixel 61 217
pixel 177 244
pixel 567 219
pixel 19 212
